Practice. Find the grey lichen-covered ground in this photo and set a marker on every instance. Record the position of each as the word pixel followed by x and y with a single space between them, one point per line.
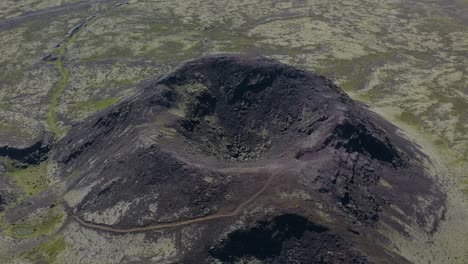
pixel 63 60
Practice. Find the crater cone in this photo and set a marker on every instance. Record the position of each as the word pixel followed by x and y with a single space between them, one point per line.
pixel 231 138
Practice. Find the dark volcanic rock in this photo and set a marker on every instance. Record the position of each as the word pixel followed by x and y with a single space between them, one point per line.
pixel 211 134
pixel 287 238
pixel 31 155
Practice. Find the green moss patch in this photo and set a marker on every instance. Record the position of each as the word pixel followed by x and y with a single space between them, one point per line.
pixel 409 118
pixel 363 97
pixel 6 127
pixel 356 71
pixel 465 187
pixel 185 94
pixel 36 227
pixel 465 191
pixel 57 90
pixel 46 252
pixel 32 180
pixel 54 96
pixel 351 85
pixel 94 106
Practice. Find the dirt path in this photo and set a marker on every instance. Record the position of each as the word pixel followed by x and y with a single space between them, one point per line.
pixel 178 223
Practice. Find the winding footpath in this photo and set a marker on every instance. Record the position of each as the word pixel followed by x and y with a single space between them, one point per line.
pixel 177 223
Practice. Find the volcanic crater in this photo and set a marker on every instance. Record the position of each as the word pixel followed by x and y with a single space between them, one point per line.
pixel 229 138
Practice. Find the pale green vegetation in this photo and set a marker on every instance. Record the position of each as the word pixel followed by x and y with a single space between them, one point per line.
pixel 31 180
pixel 59 87
pixel 26 80
pixel 94 106
pixel 185 93
pixel 46 252
pixel 40 225
pixel 410 118
pixel 7 127
pixel 54 96
pixel 465 187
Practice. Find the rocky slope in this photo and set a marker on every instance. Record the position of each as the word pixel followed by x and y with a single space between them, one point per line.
pixel 261 160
